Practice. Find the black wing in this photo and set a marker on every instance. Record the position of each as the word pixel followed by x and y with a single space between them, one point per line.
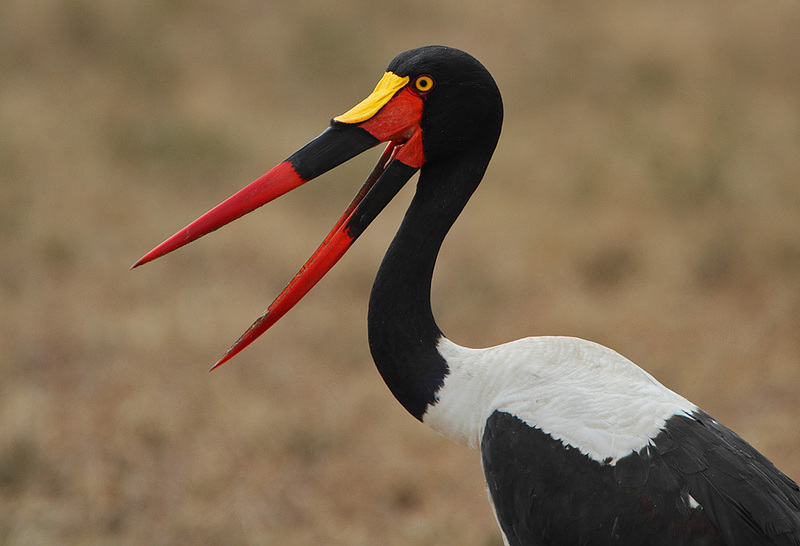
pixel 749 500
pixel 547 493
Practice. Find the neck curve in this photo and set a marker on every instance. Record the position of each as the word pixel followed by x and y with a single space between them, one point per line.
pixel 403 334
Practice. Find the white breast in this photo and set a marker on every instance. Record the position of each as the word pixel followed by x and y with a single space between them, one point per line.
pixel 581 393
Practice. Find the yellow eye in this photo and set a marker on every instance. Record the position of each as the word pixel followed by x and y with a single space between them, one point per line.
pixel 423 83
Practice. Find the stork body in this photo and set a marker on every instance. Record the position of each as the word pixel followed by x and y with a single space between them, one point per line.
pixel 581 446
pixel 578 444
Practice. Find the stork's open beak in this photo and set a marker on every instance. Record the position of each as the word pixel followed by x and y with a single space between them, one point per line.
pixel 391 113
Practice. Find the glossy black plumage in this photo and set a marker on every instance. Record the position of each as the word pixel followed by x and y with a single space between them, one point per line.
pixel 546 493
pixel 747 497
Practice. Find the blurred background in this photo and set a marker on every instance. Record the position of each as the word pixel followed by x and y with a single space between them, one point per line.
pixel 645 194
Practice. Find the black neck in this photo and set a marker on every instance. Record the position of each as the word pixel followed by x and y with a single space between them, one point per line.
pixel 403 334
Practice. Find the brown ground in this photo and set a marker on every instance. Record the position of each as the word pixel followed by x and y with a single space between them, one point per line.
pixel 645 194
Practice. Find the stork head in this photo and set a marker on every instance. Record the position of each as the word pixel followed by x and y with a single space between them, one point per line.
pixel 432 103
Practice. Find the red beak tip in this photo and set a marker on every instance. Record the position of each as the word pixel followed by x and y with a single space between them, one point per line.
pixel 220 362
pixel 149 257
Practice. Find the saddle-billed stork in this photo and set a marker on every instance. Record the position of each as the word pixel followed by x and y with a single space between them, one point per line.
pixel 578 444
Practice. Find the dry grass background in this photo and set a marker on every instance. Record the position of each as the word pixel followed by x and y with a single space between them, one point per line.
pixel 645 194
